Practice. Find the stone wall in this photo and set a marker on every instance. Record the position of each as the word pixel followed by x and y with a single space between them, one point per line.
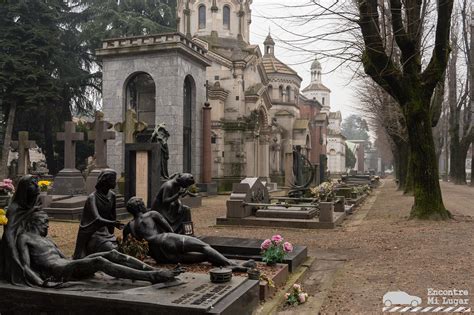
pixel 168 68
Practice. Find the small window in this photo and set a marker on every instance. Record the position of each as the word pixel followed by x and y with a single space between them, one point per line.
pixel 323 101
pixel 282 93
pixel 226 17
pixel 202 16
pixel 288 94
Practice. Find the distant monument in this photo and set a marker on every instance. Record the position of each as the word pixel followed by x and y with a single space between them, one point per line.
pixel 69 180
pixel 100 134
pixel 23 145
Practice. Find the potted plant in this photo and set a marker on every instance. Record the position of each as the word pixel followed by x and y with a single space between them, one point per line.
pixel 274 250
pixel 44 186
pixel 192 198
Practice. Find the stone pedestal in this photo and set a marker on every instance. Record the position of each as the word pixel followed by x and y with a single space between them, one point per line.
pixel 69 182
pixel 339 206
pixel 142 171
pixel 210 189
pixel 326 212
pixel 91 180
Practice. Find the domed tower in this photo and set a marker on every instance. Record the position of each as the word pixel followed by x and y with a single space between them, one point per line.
pixel 269 44
pixel 317 90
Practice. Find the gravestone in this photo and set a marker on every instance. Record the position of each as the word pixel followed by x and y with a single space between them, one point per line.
pixel 249 190
pixel 69 180
pixel 142 171
pixel 23 146
pixel 100 134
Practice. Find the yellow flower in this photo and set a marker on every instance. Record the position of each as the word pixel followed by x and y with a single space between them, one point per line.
pixel 2 212
pixel 3 220
pixel 44 183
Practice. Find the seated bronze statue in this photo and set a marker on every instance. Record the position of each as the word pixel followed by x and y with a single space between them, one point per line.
pixel 98 221
pixel 168 203
pixel 168 247
pixel 28 257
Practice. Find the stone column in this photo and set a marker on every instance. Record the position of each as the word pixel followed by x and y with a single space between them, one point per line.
pixel 206 171
pixel 206 184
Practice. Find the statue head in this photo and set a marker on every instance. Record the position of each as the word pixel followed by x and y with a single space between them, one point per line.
pixel 185 180
pixel 136 206
pixel 27 192
pixel 107 180
pixel 37 223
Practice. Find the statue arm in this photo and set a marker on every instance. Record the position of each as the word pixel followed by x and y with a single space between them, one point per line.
pixel 126 231
pixel 172 198
pixel 31 276
pixel 162 223
pixel 96 214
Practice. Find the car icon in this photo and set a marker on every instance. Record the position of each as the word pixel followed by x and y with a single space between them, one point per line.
pixel 400 298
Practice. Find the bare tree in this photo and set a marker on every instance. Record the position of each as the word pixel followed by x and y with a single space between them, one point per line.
pixel 461 130
pixel 410 78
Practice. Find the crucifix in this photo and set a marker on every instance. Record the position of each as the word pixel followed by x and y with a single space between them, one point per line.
pixel 131 126
pixel 70 137
pixel 100 134
pixel 22 146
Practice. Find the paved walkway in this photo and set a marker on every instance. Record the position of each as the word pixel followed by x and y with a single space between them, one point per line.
pixel 458 199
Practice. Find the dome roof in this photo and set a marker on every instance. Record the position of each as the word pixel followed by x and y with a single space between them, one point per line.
pixel 316 64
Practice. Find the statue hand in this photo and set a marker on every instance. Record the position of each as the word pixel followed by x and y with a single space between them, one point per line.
pixel 51 284
pixel 119 225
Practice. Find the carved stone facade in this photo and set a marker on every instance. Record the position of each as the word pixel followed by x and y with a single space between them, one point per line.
pixel 256 104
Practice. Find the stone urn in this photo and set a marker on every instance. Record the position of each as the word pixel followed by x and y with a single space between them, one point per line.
pixel 46 199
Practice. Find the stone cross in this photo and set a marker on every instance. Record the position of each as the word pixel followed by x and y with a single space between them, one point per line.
pixel 131 126
pixel 100 135
pixel 22 146
pixel 69 136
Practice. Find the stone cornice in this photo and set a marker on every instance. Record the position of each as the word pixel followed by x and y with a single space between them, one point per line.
pixel 153 43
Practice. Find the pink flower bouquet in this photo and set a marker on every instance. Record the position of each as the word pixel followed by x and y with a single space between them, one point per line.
pixel 296 296
pixel 274 249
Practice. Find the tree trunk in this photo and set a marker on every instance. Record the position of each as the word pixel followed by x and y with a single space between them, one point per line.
pixel 472 164
pixel 428 199
pixel 7 140
pixel 408 189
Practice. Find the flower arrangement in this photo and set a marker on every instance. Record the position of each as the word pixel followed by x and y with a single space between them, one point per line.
pixel 324 192
pixel 3 217
pixel 133 247
pixel 44 185
pixel 274 249
pixel 297 296
pixel 6 187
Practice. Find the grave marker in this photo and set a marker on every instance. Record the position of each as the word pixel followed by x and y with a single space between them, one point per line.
pixel 69 180
pixel 23 145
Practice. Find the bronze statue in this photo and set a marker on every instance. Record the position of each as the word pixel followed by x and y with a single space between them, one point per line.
pixel 24 203
pixel 161 135
pixel 98 221
pixel 167 201
pixel 46 266
pixel 168 247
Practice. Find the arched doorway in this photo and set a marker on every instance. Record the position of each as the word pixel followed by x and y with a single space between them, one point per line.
pixel 189 100
pixel 140 95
